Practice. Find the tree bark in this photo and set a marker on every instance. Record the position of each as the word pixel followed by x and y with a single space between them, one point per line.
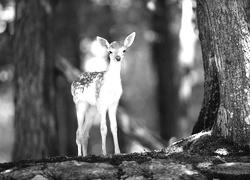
pixel 227 57
pixel 35 132
pixel 211 100
pixel 166 25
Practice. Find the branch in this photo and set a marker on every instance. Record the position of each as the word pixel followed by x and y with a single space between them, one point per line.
pixel 136 131
pixel 63 65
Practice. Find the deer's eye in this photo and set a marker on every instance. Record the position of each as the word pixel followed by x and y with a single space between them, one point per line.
pixel 110 52
pixel 124 51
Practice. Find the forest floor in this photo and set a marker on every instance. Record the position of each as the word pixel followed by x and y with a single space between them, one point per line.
pixel 201 156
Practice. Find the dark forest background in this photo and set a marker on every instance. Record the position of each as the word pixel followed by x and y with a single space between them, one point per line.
pixel 162 74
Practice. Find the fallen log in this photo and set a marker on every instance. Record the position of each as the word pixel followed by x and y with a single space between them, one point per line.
pixel 201 156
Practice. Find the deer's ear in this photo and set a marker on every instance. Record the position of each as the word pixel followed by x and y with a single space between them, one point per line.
pixel 102 41
pixel 129 40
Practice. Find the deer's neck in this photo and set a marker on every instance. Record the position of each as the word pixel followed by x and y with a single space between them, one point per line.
pixel 114 71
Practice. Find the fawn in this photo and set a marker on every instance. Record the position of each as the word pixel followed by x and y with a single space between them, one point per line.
pixel 103 90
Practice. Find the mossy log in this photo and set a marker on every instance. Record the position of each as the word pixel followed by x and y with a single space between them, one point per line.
pixel 201 156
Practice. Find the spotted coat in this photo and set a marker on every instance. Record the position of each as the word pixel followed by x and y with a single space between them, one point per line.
pixel 84 81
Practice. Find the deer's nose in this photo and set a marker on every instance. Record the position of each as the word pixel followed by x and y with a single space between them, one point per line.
pixel 118 58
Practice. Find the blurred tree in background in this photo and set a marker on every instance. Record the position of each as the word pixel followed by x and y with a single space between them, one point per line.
pixel 74 20
pixel 55 39
pixel 166 22
pixel 33 47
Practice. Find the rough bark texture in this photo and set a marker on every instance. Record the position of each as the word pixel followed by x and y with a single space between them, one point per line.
pixel 211 101
pixel 186 159
pixel 166 25
pixel 227 56
pixel 35 134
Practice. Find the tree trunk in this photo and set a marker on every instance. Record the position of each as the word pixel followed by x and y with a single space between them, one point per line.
pixel 166 24
pixel 211 101
pixel 35 133
pixel 67 46
pixel 225 41
pixel 72 25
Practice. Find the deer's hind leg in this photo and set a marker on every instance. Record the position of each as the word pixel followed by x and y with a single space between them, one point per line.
pixel 84 125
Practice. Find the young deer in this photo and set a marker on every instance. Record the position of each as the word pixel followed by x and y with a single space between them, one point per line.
pixel 103 90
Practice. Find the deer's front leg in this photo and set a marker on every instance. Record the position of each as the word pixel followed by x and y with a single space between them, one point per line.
pixel 103 129
pixel 113 126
